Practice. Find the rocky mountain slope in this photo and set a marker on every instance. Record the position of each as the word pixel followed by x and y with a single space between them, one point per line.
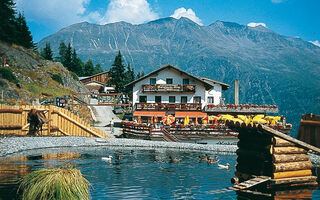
pixel 272 69
pixel 34 77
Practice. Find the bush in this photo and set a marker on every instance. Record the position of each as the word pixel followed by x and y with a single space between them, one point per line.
pixel 74 76
pixel 57 78
pixel 55 184
pixel 7 74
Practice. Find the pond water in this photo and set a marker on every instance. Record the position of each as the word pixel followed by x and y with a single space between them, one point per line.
pixel 140 174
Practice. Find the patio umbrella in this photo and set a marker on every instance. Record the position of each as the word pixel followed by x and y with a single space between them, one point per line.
pixel 186 120
pixel 168 119
pixel 205 120
pixel 215 118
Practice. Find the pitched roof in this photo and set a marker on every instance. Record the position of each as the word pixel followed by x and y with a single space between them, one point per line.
pixel 86 77
pixel 210 81
pixel 207 84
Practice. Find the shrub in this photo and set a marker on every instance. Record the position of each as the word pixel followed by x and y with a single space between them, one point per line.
pixel 74 76
pixel 55 184
pixel 7 74
pixel 57 78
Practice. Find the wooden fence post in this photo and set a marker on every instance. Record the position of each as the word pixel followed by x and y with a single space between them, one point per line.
pixel 50 119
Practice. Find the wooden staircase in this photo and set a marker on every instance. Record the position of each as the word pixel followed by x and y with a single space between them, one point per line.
pixel 167 136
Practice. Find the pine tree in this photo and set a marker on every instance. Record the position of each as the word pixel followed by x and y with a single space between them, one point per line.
pixel 97 69
pixel 117 73
pixel 23 34
pixel 62 52
pixel 46 52
pixel 88 68
pixel 129 74
pixel 76 63
pixel 140 74
pixel 67 57
pixel 7 21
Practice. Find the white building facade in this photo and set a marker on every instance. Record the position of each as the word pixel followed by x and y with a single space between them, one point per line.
pixel 170 85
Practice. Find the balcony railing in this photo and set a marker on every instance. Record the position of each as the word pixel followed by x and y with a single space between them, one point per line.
pixel 168 106
pixel 231 108
pixel 169 88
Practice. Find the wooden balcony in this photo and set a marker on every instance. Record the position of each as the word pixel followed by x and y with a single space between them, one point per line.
pixel 168 106
pixel 169 88
pixel 241 109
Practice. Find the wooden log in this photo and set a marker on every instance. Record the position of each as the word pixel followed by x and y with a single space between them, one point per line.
pixel 11 110
pixel 10 127
pixel 281 158
pixel 288 174
pixel 293 180
pixel 253 154
pixel 291 166
pixel 287 150
pixel 288 138
pixel 256 146
pixel 278 142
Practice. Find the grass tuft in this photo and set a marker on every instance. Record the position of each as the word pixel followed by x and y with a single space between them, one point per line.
pixel 55 184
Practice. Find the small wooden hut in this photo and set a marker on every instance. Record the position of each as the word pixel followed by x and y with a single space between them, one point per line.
pixel 281 162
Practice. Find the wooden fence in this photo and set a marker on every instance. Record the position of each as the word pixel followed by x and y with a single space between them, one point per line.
pixel 13 120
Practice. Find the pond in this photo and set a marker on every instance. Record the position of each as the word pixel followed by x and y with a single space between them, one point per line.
pixel 140 174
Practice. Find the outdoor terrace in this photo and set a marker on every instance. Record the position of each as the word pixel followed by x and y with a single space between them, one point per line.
pixel 245 109
pixel 169 88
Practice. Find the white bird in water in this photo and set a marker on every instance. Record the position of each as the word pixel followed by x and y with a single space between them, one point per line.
pixel 224 166
pixel 109 158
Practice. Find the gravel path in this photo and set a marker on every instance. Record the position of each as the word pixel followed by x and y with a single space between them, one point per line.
pixel 104 114
pixel 12 145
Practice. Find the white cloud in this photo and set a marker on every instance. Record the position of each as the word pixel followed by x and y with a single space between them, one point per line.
pixel 132 11
pixel 53 13
pixel 182 12
pixel 253 24
pixel 317 43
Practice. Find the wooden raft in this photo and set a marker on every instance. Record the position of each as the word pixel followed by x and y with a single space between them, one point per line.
pixel 263 151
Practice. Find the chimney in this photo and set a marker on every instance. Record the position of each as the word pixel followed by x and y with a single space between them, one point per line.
pixel 236 92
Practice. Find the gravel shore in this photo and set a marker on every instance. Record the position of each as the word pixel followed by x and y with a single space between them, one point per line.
pixel 12 145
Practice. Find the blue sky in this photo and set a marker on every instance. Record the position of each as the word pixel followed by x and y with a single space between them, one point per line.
pixel 296 18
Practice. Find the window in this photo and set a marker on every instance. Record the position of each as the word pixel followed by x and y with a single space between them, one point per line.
pixel 196 99
pixel 172 99
pixel 143 99
pixel 185 81
pixel 169 81
pixel 158 99
pixel 184 99
pixel 152 81
pixel 210 100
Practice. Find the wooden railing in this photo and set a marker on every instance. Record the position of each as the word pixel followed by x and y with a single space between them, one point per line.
pixel 61 122
pixel 169 88
pixel 168 106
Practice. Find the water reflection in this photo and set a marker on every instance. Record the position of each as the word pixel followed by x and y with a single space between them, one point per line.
pixel 141 174
pixel 279 195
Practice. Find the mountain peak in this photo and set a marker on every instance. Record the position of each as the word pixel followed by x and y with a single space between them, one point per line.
pixel 163 20
pixel 227 24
